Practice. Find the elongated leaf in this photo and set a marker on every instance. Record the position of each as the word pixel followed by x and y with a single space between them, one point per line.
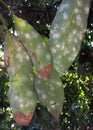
pixel 50 93
pixel 67 31
pixel 35 46
pixel 21 94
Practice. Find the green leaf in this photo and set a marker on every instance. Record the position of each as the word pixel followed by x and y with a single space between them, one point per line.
pixel 50 93
pixel 34 44
pixel 67 31
pixel 21 94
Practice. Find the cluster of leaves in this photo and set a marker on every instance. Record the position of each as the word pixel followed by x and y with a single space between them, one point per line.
pixel 78 80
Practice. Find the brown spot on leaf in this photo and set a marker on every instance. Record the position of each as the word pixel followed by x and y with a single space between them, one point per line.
pixel 35 57
pixel 23 119
pixel 45 71
pixel 34 54
pixel 7 62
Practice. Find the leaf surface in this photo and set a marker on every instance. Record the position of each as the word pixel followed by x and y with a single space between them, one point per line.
pixel 21 94
pixel 36 47
pixel 67 31
pixel 50 93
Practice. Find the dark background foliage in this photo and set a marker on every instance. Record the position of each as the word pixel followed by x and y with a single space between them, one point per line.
pixel 77 113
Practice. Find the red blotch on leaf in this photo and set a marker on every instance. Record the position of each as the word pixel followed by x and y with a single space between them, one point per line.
pixel 45 71
pixel 23 119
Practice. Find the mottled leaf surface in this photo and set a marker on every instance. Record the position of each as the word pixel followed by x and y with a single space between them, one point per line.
pixel 21 93
pixel 34 44
pixel 67 31
pixel 50 93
